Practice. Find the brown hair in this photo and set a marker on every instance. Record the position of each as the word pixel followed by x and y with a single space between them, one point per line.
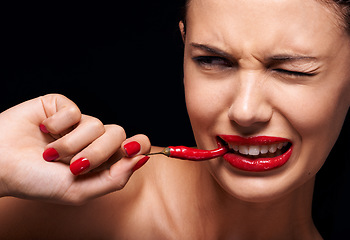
pixel 341 8
pixel 345 12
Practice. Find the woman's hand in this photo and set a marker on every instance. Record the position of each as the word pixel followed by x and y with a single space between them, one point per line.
pixel 100 157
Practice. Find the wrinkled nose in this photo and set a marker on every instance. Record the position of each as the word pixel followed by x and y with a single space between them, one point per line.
pixel 250 103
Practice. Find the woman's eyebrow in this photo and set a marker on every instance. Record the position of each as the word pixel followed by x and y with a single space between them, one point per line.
pixel 290 58
pixel 279 58
pixel 211 49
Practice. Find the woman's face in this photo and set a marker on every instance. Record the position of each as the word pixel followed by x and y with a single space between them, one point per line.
pixel 260 70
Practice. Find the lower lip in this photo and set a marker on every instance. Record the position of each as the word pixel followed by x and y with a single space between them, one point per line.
pixel 259 164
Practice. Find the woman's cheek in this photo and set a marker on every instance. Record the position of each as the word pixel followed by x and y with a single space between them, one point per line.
pixel 206 101
pixel 316 117
pixel 206 108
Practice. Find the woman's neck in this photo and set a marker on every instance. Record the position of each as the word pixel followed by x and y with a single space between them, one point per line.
pixel 194 206
pixel 230 218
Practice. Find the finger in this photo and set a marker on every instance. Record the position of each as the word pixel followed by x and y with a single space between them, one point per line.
pixel 93 185
pixel 138 144
pixel 134 146
pixel 87 131
pixel 99 151
pixel 61 113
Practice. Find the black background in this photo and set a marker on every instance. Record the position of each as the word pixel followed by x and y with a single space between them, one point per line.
pixel 122 63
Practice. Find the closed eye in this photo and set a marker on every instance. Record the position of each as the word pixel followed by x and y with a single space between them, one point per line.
pixel 294 73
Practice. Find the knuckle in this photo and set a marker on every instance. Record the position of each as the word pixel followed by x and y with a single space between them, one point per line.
pixel 97 125
pixel 66 145
pixel 73 112
pixel 117 131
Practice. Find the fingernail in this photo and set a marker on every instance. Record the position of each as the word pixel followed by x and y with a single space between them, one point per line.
pixel 50 154
pixel 132 148
pixel 79 166
pixel 43 128
pixel 140 163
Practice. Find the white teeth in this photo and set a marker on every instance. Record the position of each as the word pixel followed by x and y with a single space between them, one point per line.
pixel 280 145
pixel 255 150
pixel 234 147
pixel 243 149
pixel 264 149
pixel 273 148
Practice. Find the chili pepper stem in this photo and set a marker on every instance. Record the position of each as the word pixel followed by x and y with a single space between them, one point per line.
pixel 165 151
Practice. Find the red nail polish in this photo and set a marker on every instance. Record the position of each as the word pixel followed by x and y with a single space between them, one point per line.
pixel 43 128
pixel 79 166
pixel 132 148
pixel 50 154
pixel 140 163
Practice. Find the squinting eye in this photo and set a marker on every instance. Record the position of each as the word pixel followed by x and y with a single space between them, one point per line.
pixel 210 62
pixel 294 73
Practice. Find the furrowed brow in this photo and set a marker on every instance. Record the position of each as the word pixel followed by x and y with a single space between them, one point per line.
pixel 279 58
pixel 291 58
pixel 211 49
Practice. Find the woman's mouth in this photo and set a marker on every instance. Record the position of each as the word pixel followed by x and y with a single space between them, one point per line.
pixel 257 154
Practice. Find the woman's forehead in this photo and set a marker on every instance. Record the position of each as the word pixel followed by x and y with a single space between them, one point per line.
pixel 254 8
pixel 298 24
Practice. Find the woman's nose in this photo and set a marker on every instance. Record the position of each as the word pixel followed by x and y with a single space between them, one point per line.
pixel 250 103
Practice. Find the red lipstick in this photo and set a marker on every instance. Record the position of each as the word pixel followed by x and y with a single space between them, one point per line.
pixel 257 154
pixel 259 140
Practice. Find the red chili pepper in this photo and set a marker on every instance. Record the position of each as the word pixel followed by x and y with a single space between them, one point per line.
pixel 188 153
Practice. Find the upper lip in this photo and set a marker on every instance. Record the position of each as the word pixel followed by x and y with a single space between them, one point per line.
pixel 257 140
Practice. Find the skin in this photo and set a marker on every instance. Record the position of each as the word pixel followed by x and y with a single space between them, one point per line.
pixel 254 97
pixel 244 93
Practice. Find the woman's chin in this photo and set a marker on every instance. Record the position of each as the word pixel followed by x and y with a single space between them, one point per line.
pixel 256 187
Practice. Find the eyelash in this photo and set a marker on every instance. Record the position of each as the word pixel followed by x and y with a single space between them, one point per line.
pixel 208 63
pixel 294 73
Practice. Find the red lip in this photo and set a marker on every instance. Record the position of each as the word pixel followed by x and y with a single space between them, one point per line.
pixel 256 164
pixel 259 140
